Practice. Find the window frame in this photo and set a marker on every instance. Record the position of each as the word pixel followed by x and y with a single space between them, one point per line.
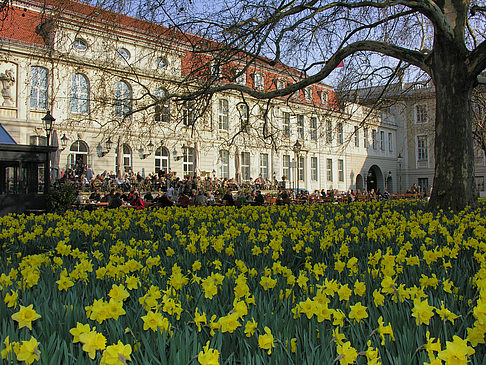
pixel 245 166
pixel 300 126
pixel 422 142
pixel 340 132
pixel 76 99
pixel 188 161
pixel 223 114
pixel 286 166
pixel 188 113
pixel 39 87
pixel 421 113
pixel 224 164
pixel 313 128
pixel 329 172
pixel 264 170
pixel 286 124
pixel 340 170
pixel 258 81
pixel 329 135
pixel 314 168
pixel 123 99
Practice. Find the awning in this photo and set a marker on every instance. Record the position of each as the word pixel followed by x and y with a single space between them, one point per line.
pixel 5 137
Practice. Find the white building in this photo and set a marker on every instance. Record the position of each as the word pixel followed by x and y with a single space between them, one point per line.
pixel 92 69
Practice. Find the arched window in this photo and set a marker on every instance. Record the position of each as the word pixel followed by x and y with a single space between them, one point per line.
pixel 79 94
pixel 162 159
pixel 162 108
pixel 126 158
pixel 38 87
pixel 123 99
pixel 78 157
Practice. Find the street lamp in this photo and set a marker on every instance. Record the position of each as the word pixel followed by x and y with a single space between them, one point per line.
pixel 399 159
pixel 48 120
pixel 297 147
pixel 64 141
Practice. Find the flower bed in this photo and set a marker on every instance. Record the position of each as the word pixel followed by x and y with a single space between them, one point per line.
pixel 361 283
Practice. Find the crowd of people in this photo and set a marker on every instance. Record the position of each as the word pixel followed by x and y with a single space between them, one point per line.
pixel 164 189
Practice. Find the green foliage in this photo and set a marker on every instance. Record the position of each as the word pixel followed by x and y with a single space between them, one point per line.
pixel 62 198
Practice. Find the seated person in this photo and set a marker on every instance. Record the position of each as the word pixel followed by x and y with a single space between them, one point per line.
pixel 228 198
pixel 95 195
pixel 115 202
pixel 184 200
pixel 136 201
pixel 200 199
pixel 259 199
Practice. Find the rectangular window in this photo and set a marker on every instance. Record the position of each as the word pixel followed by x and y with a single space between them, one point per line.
pixel 264 165
pixel 365 138
pixel 390 142
pixel 341 170
pixel 329 169
pixel 37 140
pixel 324 94
pixel 245 166
pixel 313 128
pixel 38 87
pixel 308 94
pixel 286 167
pixel 423 183
pixel 223 114
pixel 258 80
pixel 422 148
pixel 314 168
pixel 340 133
pixel 301 168
pixel 224 167
pixel 300 126
pixel 286 124
pixel 244 117
pixel 479 183
pixel 328 132
pixel 373 139
pixel 382 140
pixel 188 113
pixel 356 136
pixel 420 113
pixel 188 161
pixel 241 78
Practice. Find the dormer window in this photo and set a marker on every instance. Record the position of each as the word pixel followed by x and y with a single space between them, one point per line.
pixel 215 69
pixel 308 94
pixel 123 54
pixel 162 62
pixel 258 81
pixel 324 94
pixel 280 84
pixel 80 45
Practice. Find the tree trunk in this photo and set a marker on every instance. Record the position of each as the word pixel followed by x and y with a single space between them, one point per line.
pixel 454 185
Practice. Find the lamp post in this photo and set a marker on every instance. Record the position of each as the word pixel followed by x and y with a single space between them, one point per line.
pixel 399 159
pixel 48 120
pixel 297 147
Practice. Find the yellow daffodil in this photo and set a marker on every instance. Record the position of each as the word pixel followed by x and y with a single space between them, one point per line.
pixel 266 341
pixel 208 356
pixel 29 351
pixel 25 316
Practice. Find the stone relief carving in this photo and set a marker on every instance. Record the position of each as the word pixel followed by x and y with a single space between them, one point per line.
pixel 7 79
